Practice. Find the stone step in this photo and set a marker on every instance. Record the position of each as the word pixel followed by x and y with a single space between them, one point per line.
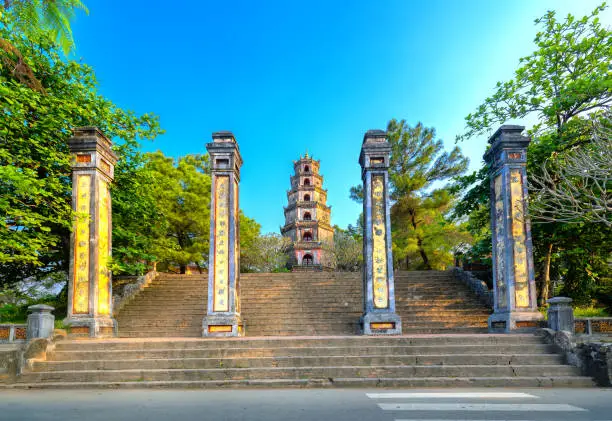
pixel 412 382
pixel 423 350
pixel 267 342
pixel 297 361
pixel 389 371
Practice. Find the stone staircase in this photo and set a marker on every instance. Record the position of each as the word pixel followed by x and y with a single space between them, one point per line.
pixel 474 360
pixel 310 303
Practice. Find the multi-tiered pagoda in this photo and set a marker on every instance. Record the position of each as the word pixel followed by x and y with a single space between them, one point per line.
pixel 307 218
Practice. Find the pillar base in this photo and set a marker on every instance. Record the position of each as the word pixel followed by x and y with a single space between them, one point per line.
pixel 515 321
pixel 91 327
pixel 222 325
pixel 381 324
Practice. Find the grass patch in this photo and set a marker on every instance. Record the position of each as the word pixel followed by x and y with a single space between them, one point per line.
pixel 590 311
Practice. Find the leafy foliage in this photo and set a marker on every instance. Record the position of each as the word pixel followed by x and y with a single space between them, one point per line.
pixel 268 253
pixel 423 233
pixel 568 75
pixel 35 190
pixel 181 192
pixel 566 83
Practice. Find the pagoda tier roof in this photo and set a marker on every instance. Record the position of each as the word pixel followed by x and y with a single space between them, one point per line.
pixel 310 204
pixel 306 224
pixel 308 188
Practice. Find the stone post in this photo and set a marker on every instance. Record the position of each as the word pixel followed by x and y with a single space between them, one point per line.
pixel 89 285
pixel 41 322
pixel 515 305
pixel 379 292
pixel 561 314
pixel 223 314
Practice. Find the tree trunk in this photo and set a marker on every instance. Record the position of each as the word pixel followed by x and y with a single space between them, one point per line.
pixel 423 255
pixel 183 268
pixel 545 284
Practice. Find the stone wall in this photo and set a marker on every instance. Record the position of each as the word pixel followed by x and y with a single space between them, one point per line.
pixel 592 354
pixel 478 286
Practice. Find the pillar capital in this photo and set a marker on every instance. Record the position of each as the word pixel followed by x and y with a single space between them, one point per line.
pixel 379 316
pixel 515 306
pixel 92 150
pixel 224 153
pixel 508 147
pixel 375 151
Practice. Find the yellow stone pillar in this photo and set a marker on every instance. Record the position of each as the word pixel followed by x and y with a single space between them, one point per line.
pixel 89 285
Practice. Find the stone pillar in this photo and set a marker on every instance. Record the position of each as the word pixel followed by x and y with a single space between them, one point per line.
pixel 379 292
pixel 223 314
pixel 41 322
pixel 89 286
pixel 561 314
pixel 515 304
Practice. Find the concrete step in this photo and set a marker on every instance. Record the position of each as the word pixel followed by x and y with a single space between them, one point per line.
pixel 423 350
pixel 268 342
pixel 298 361
pixel 387 371
pixel 412 382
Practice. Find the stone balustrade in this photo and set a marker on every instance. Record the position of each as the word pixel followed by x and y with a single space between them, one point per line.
pixel 478 286
pixel 593 325
pixel 127 291
pixel 13 332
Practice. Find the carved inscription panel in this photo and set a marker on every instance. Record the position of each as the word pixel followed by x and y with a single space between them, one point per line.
pixel 500 244
pixel 380 285
pixel 80 298
pixel 521 281
pixel 221 270
pixel 103 249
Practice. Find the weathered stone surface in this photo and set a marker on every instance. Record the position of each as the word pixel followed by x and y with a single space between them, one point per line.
pixel 223 309
pixel 90 304
pixel 360 361
pixel 515 305
pixel 41 321
pixel 379 315
pixel 561 314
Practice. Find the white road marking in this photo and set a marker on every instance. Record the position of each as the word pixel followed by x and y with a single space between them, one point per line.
pixel 443 395
pixel 556 407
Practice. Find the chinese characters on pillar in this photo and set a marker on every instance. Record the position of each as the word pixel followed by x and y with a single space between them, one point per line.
pixel 80 298
pixel 221 270
pixel 236 241
pixel 379 244
pixel 521 286
pixel 103 249
pixel 500 243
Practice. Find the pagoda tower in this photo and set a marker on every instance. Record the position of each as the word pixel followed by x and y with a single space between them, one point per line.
pixel 307 217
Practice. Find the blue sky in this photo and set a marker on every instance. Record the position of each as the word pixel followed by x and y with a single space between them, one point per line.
pixel 288 76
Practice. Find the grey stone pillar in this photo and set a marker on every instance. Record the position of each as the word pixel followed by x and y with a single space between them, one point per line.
pixel 379 316
pixel 89 285
pixel 223 314
pixel 561 314
pixel 41 322
pixel 515 305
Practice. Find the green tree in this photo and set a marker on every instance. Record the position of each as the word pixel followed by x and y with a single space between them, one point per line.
pixel 420 214
pixel 31 19
pixel 250 231
pixel 53 16
pixel 347 250
pixel 565 84
pixel 268 254
pixel 35 185
pixel 568 76
pixel 181 189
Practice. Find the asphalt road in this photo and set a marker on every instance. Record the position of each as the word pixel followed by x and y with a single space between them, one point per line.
pixel 307 405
